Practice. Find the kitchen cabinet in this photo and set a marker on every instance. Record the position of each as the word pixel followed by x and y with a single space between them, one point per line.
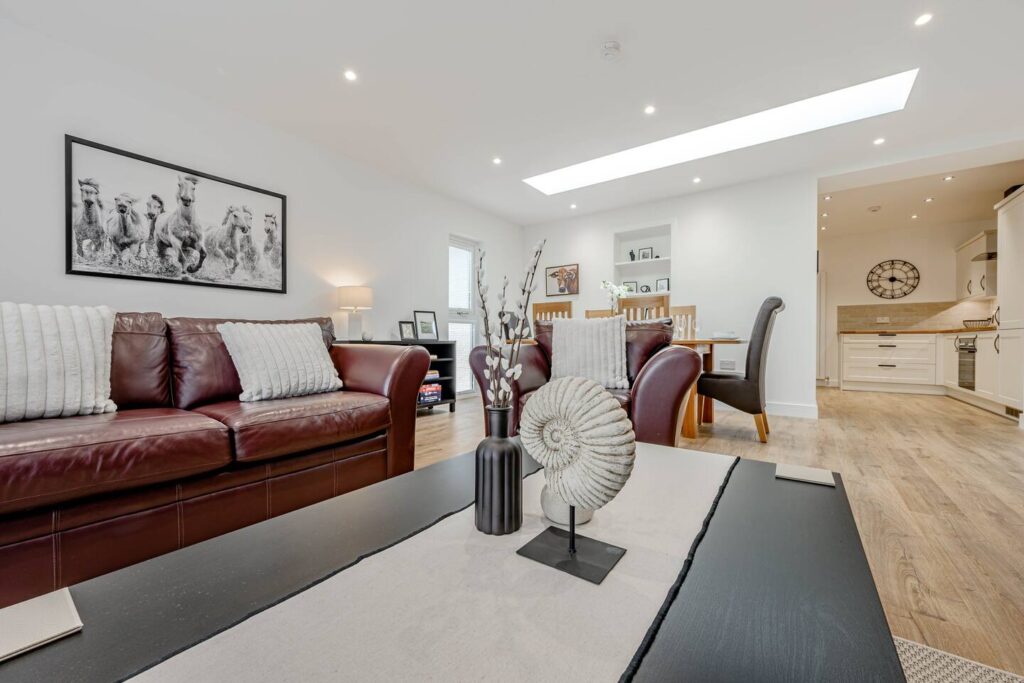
pixel 950 360
pixel 1010 245
pixel 889 359
pixel 986 366
pixel 1010 368
pixel 976 279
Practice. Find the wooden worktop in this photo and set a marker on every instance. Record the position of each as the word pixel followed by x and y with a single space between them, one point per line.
pixel 914 330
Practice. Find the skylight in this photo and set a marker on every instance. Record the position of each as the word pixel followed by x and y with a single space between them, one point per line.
pixel 862 101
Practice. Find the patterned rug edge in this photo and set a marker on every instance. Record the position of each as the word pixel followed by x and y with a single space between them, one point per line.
pixel 924 664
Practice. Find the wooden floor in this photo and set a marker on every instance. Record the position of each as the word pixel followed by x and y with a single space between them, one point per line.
pixel 937 489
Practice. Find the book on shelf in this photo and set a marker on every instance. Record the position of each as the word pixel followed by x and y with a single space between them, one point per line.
pixel 433 374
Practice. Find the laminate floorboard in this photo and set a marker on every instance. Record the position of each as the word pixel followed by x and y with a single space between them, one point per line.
pixel 936 486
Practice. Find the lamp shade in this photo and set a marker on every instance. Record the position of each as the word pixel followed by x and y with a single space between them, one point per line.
pixel 355 298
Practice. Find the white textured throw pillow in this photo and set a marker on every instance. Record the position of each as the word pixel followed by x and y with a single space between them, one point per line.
pixel 594 348
pixel 54 361
pixel 279 360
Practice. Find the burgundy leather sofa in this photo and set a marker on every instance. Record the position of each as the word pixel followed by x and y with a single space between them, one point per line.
pixel 660 375
pixel 182 460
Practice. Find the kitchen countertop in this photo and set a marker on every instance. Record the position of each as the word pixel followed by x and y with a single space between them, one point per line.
pixel 915 330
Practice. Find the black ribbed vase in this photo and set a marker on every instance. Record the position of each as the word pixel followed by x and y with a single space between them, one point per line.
pixel 499 478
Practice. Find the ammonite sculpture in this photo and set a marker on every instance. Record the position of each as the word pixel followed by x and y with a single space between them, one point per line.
pixel 582 437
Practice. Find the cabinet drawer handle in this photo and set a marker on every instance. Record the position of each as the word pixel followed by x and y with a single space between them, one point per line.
pixel 982 283
pixel 995 343
pixel 969 286
pixel 886 365
pixel 995 316
pixel 886 334
pixel 887 346
pixel 956 343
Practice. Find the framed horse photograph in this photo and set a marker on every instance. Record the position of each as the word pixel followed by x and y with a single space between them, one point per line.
pixel 130 216
pixel 562 280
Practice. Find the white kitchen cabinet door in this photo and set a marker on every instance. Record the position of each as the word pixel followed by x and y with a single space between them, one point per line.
pixel 1010 368
pixel 986 369
pixel 965 271
pixel 1010 239
pixel 950 360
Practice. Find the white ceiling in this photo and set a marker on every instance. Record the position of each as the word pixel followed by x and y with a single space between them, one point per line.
pixel 967 198
pixel 446 85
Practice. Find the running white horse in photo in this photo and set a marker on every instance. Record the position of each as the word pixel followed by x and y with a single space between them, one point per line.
pixel 178 234
pixel 125 228
pixel 88 225
pixel 228 240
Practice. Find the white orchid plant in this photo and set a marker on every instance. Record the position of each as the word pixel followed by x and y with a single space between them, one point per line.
pixel 615 292
pixel 503 365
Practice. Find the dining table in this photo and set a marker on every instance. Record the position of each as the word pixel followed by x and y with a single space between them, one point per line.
pixel 698 410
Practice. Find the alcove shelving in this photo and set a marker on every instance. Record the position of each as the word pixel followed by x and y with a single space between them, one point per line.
pixel 645 272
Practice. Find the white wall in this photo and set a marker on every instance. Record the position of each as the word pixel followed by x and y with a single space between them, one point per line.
pixel 731 248
pixel 846 260
pixel 347 223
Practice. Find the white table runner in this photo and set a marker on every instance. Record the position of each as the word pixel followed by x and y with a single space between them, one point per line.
pixel 452 604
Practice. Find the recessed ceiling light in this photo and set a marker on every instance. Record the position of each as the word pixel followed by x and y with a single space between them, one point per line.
pixel 650 109
pixel 572 206
pixel 949 178
pixel 825 215
pixel 923 19
pixel 929 200
pixel 879 141
pixel 861 101
pixel 350 75
pixel 824 228
pixel 696 180
pixel 914 216
pixel 828 198
pixel 496 161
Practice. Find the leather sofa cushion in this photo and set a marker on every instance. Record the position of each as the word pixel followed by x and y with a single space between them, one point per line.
pixel 201 365
pixel 140 375
pixel 43 462
pixel 644 338
pixel 621 395
pixel 262 430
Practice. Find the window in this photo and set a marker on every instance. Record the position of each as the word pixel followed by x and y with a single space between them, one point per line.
pixel 462 307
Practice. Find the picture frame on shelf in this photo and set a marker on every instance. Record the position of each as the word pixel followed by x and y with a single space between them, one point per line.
pixel 562 280
pixel 646 253
pixel 661 284
pixel 630 286
pixel 426 325
pixel 406 330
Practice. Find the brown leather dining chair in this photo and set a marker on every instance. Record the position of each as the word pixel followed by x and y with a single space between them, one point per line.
pixel 746 392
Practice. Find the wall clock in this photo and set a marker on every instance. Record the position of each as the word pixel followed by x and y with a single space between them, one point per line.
pixel 893 279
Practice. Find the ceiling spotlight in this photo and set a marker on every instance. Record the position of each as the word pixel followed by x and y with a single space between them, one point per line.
pixel 696 180
pixel 572 206
pixel 824 228
pixel 828 198
pixel 914 216
pixel 496 161
pixel 949 178
pixel 879 141
pixel 923 19
pixel 350 75
pixel 650 109
pixel 825 215
pixel 929 200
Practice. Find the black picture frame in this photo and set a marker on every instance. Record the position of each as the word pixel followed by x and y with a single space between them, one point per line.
pixel 418 322
pixel 407 330
pixel 631 286
pixel 646 253
pixel 69 202
pixel 658 287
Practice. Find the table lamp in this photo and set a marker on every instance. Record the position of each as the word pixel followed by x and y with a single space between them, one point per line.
pixel 353 299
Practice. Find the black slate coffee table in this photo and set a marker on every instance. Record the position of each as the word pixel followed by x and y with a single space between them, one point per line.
pixel 779 588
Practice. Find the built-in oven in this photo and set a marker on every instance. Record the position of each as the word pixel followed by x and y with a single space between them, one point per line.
pixel 966 352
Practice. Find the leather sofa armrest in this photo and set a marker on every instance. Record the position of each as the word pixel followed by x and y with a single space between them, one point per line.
pixel 659 393
pixel 536 373
pixel 396 372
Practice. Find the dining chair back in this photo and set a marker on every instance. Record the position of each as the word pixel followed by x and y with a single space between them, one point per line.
pixel 684 320
pixel 552 310
pixel 599 313
pixel 648 307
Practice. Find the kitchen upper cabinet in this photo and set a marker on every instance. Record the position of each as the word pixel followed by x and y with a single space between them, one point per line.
pixel 976 279
pixel 986 370
pixel 1010 241
pixel 1010 368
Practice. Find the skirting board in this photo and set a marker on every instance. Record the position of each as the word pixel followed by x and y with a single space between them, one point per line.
pixel 808 411
pixel 893 388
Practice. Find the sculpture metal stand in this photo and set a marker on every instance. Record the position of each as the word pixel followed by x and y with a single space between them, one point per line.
pixel 580 556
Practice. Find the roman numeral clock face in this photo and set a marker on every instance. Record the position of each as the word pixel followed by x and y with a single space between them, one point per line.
pixel 893 279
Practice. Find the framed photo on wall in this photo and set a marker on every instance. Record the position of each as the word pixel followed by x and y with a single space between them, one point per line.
pixel 426 325
pixel 646 253
pixel 661 284
pixel 131 216
pixel 630 286
pixel 562 280
pixel 406 330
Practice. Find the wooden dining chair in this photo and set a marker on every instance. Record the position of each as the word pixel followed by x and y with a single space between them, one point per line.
pixel 679 315
pixel 645 307
pixel 552 310
pixel 599 313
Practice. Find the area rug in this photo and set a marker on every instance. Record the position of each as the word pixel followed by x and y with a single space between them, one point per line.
pixel 923 664
pixel 450 602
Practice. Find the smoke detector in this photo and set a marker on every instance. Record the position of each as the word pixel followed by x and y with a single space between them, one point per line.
pixel 611 50
pixel 874 209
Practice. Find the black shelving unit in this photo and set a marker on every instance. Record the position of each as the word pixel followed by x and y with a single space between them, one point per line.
pixel 442 359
